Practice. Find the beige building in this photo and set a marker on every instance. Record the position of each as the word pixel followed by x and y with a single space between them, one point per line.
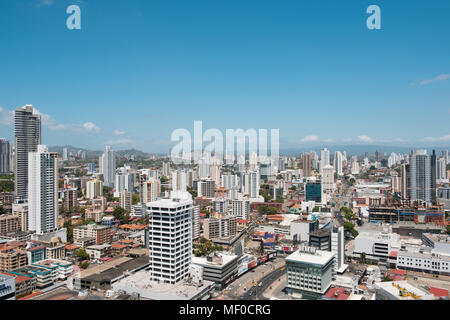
pixel 12 258
pixel 94 189
pixel 216 228
pixel 9 223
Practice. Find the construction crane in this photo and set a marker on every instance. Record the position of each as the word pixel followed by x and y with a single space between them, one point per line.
pixel 404 292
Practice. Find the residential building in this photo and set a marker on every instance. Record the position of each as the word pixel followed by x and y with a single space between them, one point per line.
pixel 4 156
pixel 42 190
pixel 100 233
pixel 27 137
pixel 126 200
pixel 94 189
pixel 107 163
pixel 216 228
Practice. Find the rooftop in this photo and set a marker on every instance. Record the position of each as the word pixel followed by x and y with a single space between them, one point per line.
pixel 140 283
pixel 318 257
pixel 338 293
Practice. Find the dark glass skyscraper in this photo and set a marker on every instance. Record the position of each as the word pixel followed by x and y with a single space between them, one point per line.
pixel 27 136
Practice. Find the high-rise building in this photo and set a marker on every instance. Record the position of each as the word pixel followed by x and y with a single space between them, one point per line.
pixel 441 169
pixel 195 222
pixel 64 154
pixel 230 181
pixel 313 191
pixel 252 180
pixel 324 159
pixel 126 200
pixel 150 190
pixel 94 189
pixel 307 164
pixel 42 190
pixel 206 188
pixel 179 180
pixel 107 163
pixel 170 247
pixel 338 163
pixel 124 180
pixel 328 178
pixel 338 248
pixel 4 156
pixel 27 136
pixel 91 167
pixel 240 208
pixel 422 176
pixel 166 169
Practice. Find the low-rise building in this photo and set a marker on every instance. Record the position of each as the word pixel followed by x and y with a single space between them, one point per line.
pixel 217 267
pixel 309 272
pixel 99 250
pixel 101 234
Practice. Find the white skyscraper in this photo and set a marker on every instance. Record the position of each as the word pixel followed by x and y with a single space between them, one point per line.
pixel 240 208
pixel 338 248
pixel 170 247
pixel 324 158
pixel 230 181
pixel 251 182
pixel 42 190
pixel 65 154
pixel 441 169
pixel 124 180
pixel 107 162
pixel 179 180
pixel 338 163
pixel 203 167
pixel 195 222
pixel 328 178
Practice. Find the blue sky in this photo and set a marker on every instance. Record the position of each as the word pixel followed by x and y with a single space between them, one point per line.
pixel 138 69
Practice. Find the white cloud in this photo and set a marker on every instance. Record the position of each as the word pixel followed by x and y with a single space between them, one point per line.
pixel 441 77
pixel 90 127
pixel 310 139
pixel 443 138
pixel 118 132
pixel 365 138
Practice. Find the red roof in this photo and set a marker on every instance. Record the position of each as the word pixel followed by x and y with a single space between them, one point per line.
pixel 18 278
pixel 243 221
pixel 397 271
pixel 393 254
pixel 34 294
pixel 338 293
pixel 438 292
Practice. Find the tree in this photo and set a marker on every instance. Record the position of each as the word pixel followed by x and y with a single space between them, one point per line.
pixel 121 214
pixel 164 179
pixel 135 198
pixel 2 211
pixel 316 209
pixel 81 254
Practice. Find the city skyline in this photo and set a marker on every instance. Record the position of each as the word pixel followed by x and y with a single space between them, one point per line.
pixel 136 71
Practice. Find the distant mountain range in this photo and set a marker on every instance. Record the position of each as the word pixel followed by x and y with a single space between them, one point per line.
pixel 97 153
pixel 350 149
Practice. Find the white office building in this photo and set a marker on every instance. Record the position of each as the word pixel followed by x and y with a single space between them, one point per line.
pixel 309 272
pixel 240 208
pixel 170 237
pixel 42 190
pixel 107 166
pixel 338 248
